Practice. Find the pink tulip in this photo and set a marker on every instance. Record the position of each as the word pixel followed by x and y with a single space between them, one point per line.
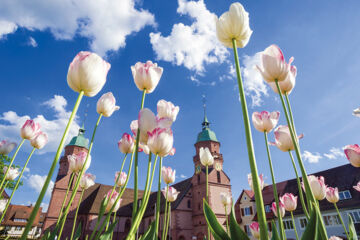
pixel 281 206
pixel 163 122
pixel 146 75
pixel 261 181
pixel 288 84
pixel 265 121
pixel 332 194
pixel 120 180
pixel 167 109
pixel 147 123
pixel 12 173
pixel 160 141
pixel 357 187
pixel 6 147
pixel 318 186
pixel 172 194
pixel 29 129
pixel 352 153
pixel 168 175
pixel 40 140
pixel 87 72
pixel 255 230
pixel 134 127
pixel 290 202
pixel 274 64
pixel 126 143
pixel 77 161
pixel 111 201
pixel 106 105
pixel 87 180
pixel 283 138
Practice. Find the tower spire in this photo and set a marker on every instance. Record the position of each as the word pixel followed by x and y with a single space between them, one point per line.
pixel 205 123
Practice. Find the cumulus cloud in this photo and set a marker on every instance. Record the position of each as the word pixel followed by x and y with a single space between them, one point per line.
pixel 311 157
pixel 105 23
pixel 36 182
pixel 182 176
pixel 32 42
pixel 334 153
pixel 10 129
pixel 193 45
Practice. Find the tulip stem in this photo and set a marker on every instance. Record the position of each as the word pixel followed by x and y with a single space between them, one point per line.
pixel 299 187
pixel 342 222
pixel 166 208
pixel 2 190
pixel 16 185
pixel 168 220
pixel 52 169
pixel 76 214
pixel 293 222
pixel 75 189
pixel 227 220
pixel 207 194
pixel 158 199
pixel 136 168
pixel 276 196
pixel 65 197
pixel 117 178
pixel 11 162
pixel 252 161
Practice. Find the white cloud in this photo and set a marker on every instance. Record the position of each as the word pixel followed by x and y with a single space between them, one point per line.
pixel 334 153
pixel 311 157
pixel 54 128
pixel 36 182
pixel 191 45
pixel 105 23
pixel 182 176
pixel 44 206
pixel 32 42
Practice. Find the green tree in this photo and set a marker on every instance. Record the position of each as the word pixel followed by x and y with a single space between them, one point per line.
pixel 4 161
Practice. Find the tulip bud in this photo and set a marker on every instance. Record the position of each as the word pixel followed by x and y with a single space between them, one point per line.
pixel 146 75
pixel 29 129
pixel 255 230
pixel 12 173
pixel 289 201
pixel 332 194
pixel 87 72
pixel 6 147
pixel 352 153
pixel 126 143
pixel 3 203
pixel 225 199
pixel 281 206
pixel 265 121
pixel 206 158
pixel 120 180
pixel 160 141
pixel 76 161
pixel 318 186
pixel 87 180
pixel 111 201
pixel 172 194
pixel 283 138
pixel 147 123
pixel 168 175
pixel 288 84
pixel 335 238
pixel 274 64
pixel 234 24
pixel 106 105
pixel 357 187
pixel 167 110
pixel 40 140
pixel 261 181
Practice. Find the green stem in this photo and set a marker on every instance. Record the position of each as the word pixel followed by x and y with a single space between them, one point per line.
pixel 227 220
pixel 65 197
pixel 136 168
pixel 16 185
pixel 2 190
pixel 75 189
pixel 275 192
pixel 117 179
pixel 11 162
pixel 158 197
pixel 113 220
pixel 166 206
pixel 51 170
pixel 299 187
pixel 207 195
pixel 342 222
pixel 76 214
pixel 168 220
pixel 256 185
pixel 293 222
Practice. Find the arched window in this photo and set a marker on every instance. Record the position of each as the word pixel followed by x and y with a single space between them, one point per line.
pixel 189 203
pixel 218 177
pixel 198 178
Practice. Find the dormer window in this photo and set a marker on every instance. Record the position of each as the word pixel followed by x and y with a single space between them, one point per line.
pixel 343 195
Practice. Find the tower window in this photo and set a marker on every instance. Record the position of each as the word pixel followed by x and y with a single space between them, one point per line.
pixel 218 177
pixel 189 203
pixel 198 179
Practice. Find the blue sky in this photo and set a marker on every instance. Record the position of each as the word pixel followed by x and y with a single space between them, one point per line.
pixel 38 42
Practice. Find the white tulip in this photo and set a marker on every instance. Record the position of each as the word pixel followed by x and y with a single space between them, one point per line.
pixel 107 105
pixel 206 158
pixel 40 140
pixel 146 75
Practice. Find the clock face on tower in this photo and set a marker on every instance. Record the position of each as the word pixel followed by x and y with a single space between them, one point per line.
pixel 218 166
pixel 197 169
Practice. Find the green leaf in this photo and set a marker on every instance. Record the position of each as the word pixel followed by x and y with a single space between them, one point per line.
pixel 150 233
pixel 311 227
pixel 78 232
pixel 352 230
pixel 235 231
pixel 275 234
pixel 107 235
pixel 213 224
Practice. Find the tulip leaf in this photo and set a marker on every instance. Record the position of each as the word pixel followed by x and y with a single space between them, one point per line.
pixel 78 232
pixel 215 227
pixel 275 233
pixel 311 230
pixel 107 235
pixel 150 233
pixel 352 230
pixel 235 231
pixel 321 226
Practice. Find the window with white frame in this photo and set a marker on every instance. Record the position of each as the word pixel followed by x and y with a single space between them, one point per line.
pixel 343 195
pixel 267 208
pixel 19 220
pixel 331 220
pixel 355 215
pixel 303 223
pixel 288 225
pixel 247 211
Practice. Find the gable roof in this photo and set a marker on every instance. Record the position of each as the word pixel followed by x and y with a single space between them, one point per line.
pixel 17 215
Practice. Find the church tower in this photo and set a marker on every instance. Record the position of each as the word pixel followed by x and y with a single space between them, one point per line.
pixel 218 181
pixel 77 144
